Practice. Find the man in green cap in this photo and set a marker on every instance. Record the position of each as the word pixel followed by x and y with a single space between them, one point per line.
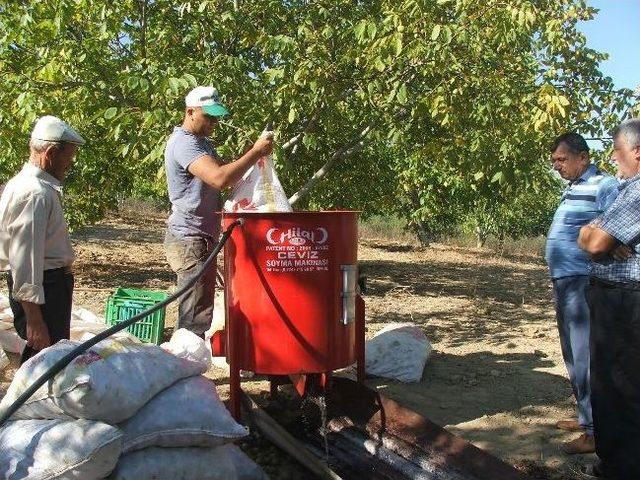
pixel 195 177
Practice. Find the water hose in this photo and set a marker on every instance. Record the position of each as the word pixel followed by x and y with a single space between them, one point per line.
pixel 66 360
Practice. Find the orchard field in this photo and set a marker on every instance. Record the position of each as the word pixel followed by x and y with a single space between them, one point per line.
pixel 496 376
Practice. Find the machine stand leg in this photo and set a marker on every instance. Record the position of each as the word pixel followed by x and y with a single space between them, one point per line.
pixel 234 394
pixel 360 328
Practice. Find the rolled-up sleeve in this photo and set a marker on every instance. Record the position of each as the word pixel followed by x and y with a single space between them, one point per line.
pixel 27 234
pixel 622 219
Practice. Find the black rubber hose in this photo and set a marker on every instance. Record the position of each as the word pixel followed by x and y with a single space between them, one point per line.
pixel 66 360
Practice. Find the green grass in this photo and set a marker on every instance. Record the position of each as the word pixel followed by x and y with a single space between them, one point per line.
pixel 529 246
pixel 388 228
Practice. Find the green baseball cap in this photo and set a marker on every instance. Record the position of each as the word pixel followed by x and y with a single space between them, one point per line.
pixel 208 99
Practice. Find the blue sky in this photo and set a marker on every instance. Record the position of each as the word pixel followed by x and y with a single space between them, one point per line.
pixel 616 31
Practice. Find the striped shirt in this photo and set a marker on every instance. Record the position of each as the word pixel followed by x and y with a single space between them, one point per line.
pixel 582 201
pixel 622 221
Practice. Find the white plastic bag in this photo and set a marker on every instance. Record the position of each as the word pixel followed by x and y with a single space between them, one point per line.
pixel 6 314
pixel 121 336
pixel 189 346
pixel 58 449
pixel 399 351
pixel 227 462
pixel 109 382
pixel 187 414
pixel 259 190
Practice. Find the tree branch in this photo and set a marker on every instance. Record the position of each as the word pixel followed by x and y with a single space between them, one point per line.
pixel 292 142
pixel 346 150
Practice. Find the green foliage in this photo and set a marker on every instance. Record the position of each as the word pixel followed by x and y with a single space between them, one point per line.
pixel 526 213
pixel 425 109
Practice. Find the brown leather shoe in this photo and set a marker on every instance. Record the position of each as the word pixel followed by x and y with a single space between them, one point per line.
pixel 570 425
pixel 583 444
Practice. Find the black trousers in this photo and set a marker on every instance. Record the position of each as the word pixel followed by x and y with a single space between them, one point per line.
pixel 56 310
pixel 615 376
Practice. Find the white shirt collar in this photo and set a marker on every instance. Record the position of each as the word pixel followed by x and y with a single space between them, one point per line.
pixel 32 170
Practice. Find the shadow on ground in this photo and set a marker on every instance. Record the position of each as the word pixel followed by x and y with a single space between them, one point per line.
pixel 495 383
pixel 467 303
pixel 504 284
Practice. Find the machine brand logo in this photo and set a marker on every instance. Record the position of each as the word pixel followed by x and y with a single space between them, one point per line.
pixel 297 236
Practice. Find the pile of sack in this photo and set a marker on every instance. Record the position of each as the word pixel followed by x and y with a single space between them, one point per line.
pixel 123 410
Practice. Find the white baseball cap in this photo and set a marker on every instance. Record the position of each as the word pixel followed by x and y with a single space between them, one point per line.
pixel 52 129
pixel 208 99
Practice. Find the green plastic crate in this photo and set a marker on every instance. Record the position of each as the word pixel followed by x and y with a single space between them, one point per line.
pixel 125 303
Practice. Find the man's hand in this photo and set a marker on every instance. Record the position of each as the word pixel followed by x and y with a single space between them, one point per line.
pixel 212 172
pixel 264 145
pixel 37 331
pixel 622 252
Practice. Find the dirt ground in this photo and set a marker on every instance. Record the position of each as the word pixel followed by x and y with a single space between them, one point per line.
pixel 496 376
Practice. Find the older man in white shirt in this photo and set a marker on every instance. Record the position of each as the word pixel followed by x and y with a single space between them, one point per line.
pixel 35 248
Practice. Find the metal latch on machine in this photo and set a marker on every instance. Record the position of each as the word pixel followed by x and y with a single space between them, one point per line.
pixel 349 281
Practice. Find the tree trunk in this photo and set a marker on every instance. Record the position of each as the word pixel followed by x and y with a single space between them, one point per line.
pixel 501 238
pixel 481 236
pixel 424 234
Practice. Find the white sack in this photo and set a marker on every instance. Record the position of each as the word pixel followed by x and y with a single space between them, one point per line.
pixel 10 341
pixel 218 317
pixel 227 462
pixel 217 323
pixel 121 336
pixel 189 346
pixel 58 449
pixel 109 382
pixel 4 301
pixel 187 414
pixel 6 314
pixel 399 351
pixel 84 321
pixel 4 360
pixel 259 190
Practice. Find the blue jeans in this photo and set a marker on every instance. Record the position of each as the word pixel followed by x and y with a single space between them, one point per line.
pixel 572 315
pixel 186 256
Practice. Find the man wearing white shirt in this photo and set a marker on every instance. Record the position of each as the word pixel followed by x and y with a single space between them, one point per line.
pixel 35 248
